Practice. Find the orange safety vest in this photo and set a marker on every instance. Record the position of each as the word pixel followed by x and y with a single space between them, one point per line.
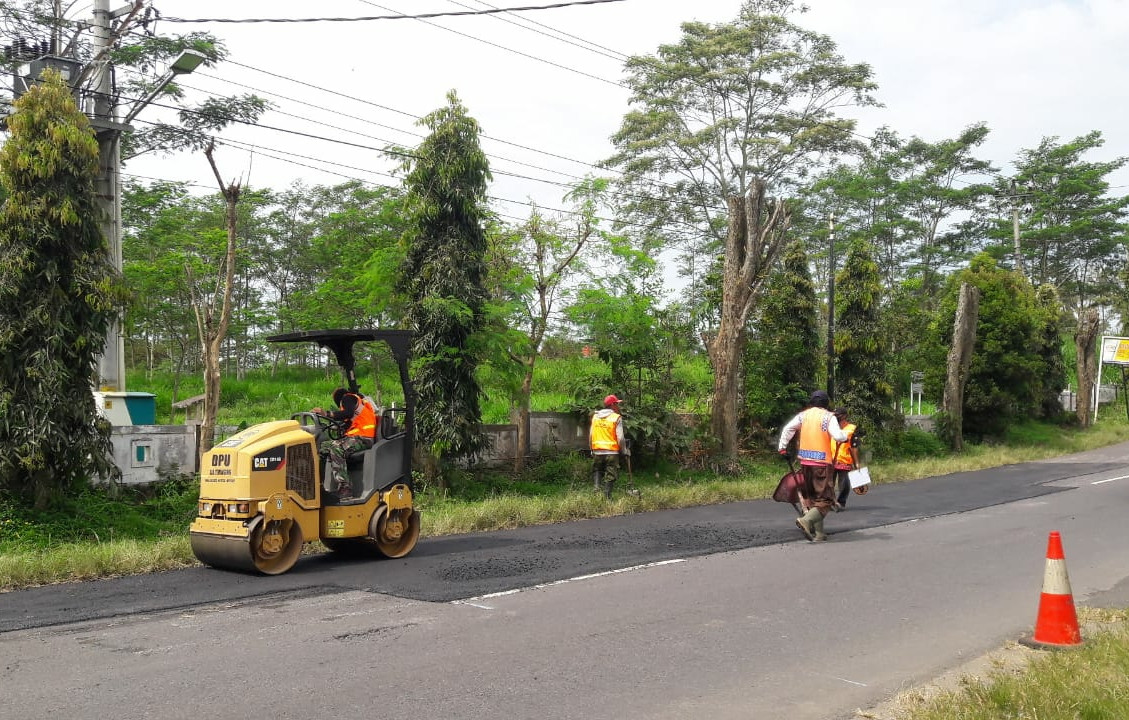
pixel 364 420
pixel 815 442
pixel 603 435
pixel 845 458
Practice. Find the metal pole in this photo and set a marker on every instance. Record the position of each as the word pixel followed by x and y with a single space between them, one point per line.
pixel 831 314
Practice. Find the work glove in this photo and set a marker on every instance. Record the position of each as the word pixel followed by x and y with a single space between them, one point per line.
pixel 784 455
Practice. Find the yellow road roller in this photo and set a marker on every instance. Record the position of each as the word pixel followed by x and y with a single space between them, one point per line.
pixel 265 491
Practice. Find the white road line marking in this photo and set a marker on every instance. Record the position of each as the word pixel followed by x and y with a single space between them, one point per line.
pixel 470 601
pixel 852 682
pixel 1101 482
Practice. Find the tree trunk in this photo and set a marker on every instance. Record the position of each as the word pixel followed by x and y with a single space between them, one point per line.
pixel 522 448
pixel 752 244
pixel 213 330
pixel 960 358
pixel 211 398
pixel 1086 350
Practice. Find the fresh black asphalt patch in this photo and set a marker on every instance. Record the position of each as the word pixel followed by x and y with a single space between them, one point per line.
pixel 454 567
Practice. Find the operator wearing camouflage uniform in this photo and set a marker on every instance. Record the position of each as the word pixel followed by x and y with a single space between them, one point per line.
pixel 358 436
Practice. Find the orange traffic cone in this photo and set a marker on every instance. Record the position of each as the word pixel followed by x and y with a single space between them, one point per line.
pixel 1057 623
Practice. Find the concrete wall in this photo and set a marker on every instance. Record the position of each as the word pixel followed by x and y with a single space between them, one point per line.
pixel 547 430
pixel 142 451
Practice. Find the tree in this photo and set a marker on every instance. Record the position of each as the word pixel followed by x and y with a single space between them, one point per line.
pixel 640 342
pixel 534 264
pixel 213 309
pixel 58 295
pixel 722 115
pixel 1072 232
pixel 784 351
pixel 861 374
pixel 907 198
pixel 1006 373
pixel 443 279
pixel 1049 348
pixel 159 223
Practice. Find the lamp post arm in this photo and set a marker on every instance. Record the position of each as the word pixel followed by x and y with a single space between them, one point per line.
pixel 140 104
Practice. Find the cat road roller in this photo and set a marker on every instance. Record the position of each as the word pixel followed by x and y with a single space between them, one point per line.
pixel 265 492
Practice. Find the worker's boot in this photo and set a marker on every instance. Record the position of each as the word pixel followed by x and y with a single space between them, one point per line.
pixel 817 527
pixel 608 489
pixel 806 523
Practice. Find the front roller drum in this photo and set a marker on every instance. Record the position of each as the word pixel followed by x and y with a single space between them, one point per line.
pixel 271 548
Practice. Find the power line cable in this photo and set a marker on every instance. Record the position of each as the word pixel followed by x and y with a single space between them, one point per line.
pixel 401 153
pixel 360 119
pixel 399 16
pixel 503 47
pixel 619 57
pixel 283 156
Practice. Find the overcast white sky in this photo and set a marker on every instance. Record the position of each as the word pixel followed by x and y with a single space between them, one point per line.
pixel 1028 68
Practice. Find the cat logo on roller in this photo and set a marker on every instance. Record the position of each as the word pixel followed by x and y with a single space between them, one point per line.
pixel 264 492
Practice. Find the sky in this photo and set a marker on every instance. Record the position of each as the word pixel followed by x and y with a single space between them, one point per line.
pixel 548 104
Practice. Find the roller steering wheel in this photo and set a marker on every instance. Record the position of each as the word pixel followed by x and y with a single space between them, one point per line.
pixel 325 426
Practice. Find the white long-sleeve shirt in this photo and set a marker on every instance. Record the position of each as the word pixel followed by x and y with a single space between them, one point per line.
pixel 793 427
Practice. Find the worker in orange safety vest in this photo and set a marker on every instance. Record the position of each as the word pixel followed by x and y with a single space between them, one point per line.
pixel 817 428
pixel 607 442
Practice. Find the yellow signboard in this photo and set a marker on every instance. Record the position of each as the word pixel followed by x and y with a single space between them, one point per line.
pixel 1115 350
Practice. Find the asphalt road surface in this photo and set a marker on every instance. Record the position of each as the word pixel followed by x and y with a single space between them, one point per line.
pixel 721 612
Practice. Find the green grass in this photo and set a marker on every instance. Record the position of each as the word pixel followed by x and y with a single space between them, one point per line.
pixel 1090 682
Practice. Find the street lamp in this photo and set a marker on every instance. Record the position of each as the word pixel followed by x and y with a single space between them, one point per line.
pixel 111 368
pixel 185 63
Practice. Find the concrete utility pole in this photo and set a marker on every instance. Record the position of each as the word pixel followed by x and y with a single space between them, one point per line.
pixel 111 368
pixel 108 128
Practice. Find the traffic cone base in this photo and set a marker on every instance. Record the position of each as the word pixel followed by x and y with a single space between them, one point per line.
pixel 1056 625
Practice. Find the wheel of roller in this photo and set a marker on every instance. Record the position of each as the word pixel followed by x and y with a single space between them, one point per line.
pixel 395 532
pixel 275 546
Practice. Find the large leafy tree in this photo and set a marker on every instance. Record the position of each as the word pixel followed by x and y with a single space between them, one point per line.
pixel 58 294
pixel 1008 369
pixel 783 356
pixel 159 222
pixel 1072 231
pixel 861 373
pixel 641 343
pixel 443 279
pixel 354 227
pixel 720 118
pixel 910 199
pixel 533 266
